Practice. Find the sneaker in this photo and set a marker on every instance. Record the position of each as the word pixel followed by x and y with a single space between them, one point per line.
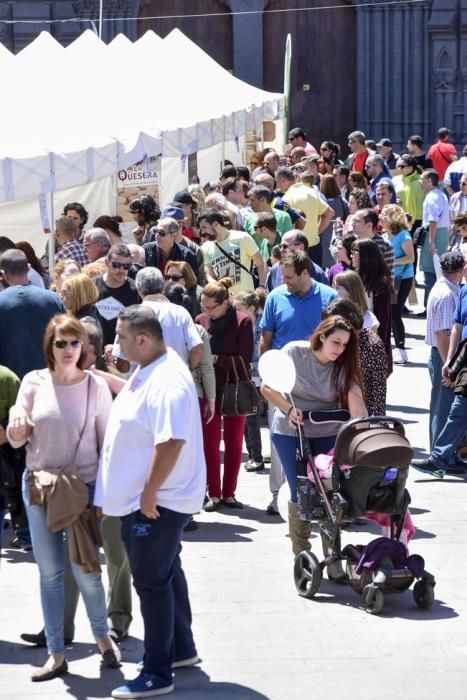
pixel 425 466
pixel 272 508
pixel 400 356
pixel 146 685
pixel 181 663
pixel 252 466
pixel 191 525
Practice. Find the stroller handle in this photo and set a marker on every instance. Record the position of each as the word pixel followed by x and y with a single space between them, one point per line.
pixel 376 420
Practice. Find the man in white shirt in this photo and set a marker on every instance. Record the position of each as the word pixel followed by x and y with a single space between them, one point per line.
pixel 178 328
pixel 153 475
pixel 436 221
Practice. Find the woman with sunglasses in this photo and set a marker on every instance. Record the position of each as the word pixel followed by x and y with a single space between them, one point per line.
pixel 179 272
pixel 60 414
pixel 231 336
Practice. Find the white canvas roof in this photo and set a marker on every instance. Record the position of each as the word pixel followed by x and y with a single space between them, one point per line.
pixel 72 115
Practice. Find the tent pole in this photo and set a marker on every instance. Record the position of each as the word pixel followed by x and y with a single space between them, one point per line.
pixel 101 9
pixel 51 236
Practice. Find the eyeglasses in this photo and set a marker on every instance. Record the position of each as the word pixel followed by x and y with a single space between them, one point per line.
pixel 209 308
pixel 323 149
pixel 162 232
pixel 62 344
pixel 173 278
pixel 120 266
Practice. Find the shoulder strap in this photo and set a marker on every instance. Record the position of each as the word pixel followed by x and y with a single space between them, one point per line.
pixel 81 433
pixel 232 259
pixel 442 155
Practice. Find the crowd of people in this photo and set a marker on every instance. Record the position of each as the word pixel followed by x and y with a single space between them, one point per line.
pixel 115 362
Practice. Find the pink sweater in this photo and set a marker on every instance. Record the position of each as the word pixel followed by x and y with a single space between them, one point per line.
pixel 58 414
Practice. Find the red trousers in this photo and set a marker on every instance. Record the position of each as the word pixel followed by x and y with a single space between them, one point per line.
pixel 234 427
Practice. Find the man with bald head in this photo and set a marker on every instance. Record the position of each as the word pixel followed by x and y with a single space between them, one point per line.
pixel 96 243
pixel 271 162
pixel 265 179
pixel 164 248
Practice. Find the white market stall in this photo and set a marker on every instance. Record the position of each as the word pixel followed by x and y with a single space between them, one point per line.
pixel 82 113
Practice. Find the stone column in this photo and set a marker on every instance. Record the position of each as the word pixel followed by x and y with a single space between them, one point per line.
pixel 248 40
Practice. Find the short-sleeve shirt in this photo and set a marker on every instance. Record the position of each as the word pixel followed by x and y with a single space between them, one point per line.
pixel 111 301
pixel 158 403
pixel 440 154
pixel 283 224
pixel 178 329
pixel 291 317
pixel 240 246
pixel 441 308
pixel 306 199
pixel 436 209
pixel 401 271
pixel 460 315
pixel 266 247
pixel 314 388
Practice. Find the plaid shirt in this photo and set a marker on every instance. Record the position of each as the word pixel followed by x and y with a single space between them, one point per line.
pixel 440 309
pixel 72 250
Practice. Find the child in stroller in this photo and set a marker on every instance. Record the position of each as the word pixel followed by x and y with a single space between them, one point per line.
pixel 368 475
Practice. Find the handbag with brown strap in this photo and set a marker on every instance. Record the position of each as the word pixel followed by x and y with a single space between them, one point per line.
pixel 239 396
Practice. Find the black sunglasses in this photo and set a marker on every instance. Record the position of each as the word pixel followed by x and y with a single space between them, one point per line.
pixel 173 278
pixel 62 344
pixel 162 232
pixel 120 266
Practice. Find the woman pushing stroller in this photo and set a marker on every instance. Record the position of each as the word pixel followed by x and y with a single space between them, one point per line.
pixel 327 377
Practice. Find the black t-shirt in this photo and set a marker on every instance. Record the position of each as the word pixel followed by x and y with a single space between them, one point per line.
pixel 111 301
pixel 423 161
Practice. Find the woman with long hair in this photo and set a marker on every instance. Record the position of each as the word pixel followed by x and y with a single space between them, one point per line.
pixel 231 336
pixel 349 285
pixel 330 191
pixel 60 414
pixel 395 224
pixel 34 262
pixel 327 376
pixel 343 247
pixel 368 261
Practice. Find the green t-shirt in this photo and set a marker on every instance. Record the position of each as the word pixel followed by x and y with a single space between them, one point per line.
pixel 9 385
pixel 266 247
pixel 283 222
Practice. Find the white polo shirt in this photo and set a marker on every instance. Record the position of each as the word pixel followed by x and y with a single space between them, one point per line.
pixel 159 402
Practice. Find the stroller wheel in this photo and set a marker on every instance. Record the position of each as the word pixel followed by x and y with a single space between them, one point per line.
pixel 307 574
pixel 424 594
pixel 373 599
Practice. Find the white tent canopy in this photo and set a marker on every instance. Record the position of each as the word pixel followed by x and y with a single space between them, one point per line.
pixel 84 112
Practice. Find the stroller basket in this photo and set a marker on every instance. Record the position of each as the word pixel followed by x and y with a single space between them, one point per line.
pixel 380 445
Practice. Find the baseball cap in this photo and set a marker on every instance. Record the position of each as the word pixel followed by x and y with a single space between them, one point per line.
pixel 183 197
pixel 173 212
pixel 384 142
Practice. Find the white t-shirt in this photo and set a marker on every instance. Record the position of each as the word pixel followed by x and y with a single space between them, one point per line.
pixel 159 402
pixel 178 329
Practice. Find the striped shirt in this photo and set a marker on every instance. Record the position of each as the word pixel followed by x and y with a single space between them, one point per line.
pixel 386 251
pixel 440 309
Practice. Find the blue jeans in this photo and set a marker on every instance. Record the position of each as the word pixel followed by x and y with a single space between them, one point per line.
pixel 49 552
pixel 441 397
pixel 286 447
pixel 153 548
pixel 451 435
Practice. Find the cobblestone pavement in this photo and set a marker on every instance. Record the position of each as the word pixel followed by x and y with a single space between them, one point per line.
pixel 257 638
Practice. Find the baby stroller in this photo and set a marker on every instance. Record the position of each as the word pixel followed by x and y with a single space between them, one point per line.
pixel 378 454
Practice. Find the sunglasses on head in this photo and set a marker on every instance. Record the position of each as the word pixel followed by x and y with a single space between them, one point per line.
pixel 62 344
pixel 173 278
pixel 120 266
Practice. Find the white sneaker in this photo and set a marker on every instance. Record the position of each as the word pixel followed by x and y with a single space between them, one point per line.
pixel 400 356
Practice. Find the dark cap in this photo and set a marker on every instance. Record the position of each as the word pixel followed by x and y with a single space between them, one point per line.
pixel 452 262
pixel 384 142
pixel 173 212
pixel 184 197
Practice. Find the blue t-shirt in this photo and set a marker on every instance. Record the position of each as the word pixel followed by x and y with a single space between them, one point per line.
pixel 275 275
pixel 460 315
pixel 401 271
pixel 25 311
pixel 291 317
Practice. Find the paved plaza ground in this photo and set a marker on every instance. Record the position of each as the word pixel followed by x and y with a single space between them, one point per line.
pixel 257 638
